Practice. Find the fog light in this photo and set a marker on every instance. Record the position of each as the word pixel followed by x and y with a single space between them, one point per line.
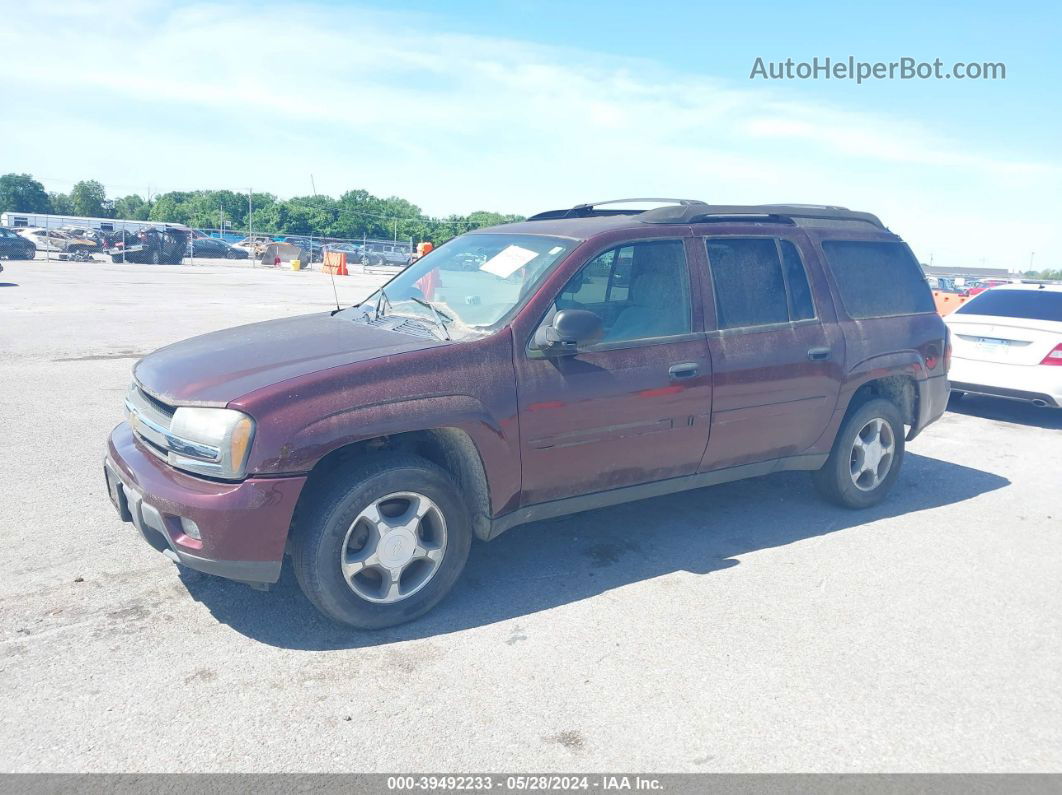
pixel 190 528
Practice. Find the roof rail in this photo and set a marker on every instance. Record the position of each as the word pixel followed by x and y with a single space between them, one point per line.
pixel 590 209
pixel 695 212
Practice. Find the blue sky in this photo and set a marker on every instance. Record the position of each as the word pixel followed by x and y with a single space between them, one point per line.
pixel 518 106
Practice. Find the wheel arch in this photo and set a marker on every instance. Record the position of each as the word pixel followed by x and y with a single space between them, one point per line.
pixel 451 449
pixel 900 390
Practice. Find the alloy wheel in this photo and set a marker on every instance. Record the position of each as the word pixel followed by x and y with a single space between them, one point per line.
pixel 873 452
pixel 394 547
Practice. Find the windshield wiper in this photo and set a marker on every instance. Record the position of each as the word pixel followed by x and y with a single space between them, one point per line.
pixel 379 304
pixel 436 314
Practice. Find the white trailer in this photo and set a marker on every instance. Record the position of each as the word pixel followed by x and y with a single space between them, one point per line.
pixel 43 221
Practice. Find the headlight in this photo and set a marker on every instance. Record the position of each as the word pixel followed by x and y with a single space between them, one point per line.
pixel 210 441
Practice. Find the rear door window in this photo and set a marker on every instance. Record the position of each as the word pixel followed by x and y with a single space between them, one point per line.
pixel 877 279
pixel 758 282
pixel 1025 304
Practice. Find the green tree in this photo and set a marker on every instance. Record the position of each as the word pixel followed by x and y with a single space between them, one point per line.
pixel 61 204
pixel 132 207
pixel 1046 275
pixel 22 193
pixel 89 198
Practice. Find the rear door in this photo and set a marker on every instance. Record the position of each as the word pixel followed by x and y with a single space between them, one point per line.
pixel 777 366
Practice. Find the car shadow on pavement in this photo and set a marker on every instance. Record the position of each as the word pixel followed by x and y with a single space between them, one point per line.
pixel 1003 410
pixel 551 563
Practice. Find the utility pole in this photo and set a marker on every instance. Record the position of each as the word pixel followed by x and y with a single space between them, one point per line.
pixel 313 187
pixel 250 225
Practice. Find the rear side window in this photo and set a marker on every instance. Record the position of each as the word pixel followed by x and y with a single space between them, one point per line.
pixel 1026 304
pixel 877 279
pixel 758 282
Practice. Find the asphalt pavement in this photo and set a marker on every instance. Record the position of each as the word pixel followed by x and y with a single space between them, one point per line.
pixel 744 627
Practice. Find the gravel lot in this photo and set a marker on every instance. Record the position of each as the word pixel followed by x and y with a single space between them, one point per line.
pixel 746 627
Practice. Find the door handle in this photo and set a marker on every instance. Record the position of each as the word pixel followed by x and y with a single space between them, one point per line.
pixel 684 370
pixel 819 354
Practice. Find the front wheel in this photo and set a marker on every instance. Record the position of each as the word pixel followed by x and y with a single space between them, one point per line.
pixel 382 544
pixel 866 456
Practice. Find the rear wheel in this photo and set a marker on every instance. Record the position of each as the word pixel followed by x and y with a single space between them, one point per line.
pixel 29 252
pixel 154 258
pixel 866 456
pixel 382 544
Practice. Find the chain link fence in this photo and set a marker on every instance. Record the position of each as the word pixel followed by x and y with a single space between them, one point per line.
pixel 78 238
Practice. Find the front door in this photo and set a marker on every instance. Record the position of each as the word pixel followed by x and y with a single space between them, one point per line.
pixel 633 407
pixel 777 367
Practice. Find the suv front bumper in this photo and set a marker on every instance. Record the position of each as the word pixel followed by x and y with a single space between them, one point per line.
pixel 243 526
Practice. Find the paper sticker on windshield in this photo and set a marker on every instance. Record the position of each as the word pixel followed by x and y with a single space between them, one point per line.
pixel 508 261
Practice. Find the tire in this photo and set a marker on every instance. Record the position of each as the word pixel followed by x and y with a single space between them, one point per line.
pixel 878 421
pixel 155 259
pixel 335 523
pixel 30 252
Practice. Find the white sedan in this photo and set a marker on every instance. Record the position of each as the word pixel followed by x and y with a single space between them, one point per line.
pixel 1007 342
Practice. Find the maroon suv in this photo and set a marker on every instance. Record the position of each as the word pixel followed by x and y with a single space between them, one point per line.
pixel 582 358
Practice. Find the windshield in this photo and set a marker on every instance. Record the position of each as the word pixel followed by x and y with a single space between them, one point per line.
pixel 475 280
pixel 1025 304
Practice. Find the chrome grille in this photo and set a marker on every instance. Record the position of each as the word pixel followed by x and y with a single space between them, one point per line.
pixel 149 418
pixel 163 408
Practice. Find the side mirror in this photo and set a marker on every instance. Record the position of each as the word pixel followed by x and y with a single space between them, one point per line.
pixel 570 329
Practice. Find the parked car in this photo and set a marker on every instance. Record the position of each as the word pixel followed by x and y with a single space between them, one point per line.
pixel 166 243
pixel 14 246
pixel 352 250
pixel 200 245
pixel 373 443
pixel 83 238
pixel 1007 342
pixel 396 255
pixel 254 246
pixel 979 286
pixel 312 249
pixel 56 240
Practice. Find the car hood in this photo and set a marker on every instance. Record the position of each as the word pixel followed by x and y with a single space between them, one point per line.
pixel 215 369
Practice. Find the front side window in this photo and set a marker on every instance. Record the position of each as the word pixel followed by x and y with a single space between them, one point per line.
pixel 877 279
pixel 758 282
pixel 639 290
pixel 474 281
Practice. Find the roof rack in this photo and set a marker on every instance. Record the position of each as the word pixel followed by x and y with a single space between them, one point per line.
pixel 699 212
pixel 591 209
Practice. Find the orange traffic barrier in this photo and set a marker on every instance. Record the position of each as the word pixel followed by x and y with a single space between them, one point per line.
pixel 335 262
pixel 948 302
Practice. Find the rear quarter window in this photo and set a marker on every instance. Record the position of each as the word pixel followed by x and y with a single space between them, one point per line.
pixel 877 279
pixel 1025 304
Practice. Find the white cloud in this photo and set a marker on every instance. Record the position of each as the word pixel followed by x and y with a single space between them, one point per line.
pixel 234 95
